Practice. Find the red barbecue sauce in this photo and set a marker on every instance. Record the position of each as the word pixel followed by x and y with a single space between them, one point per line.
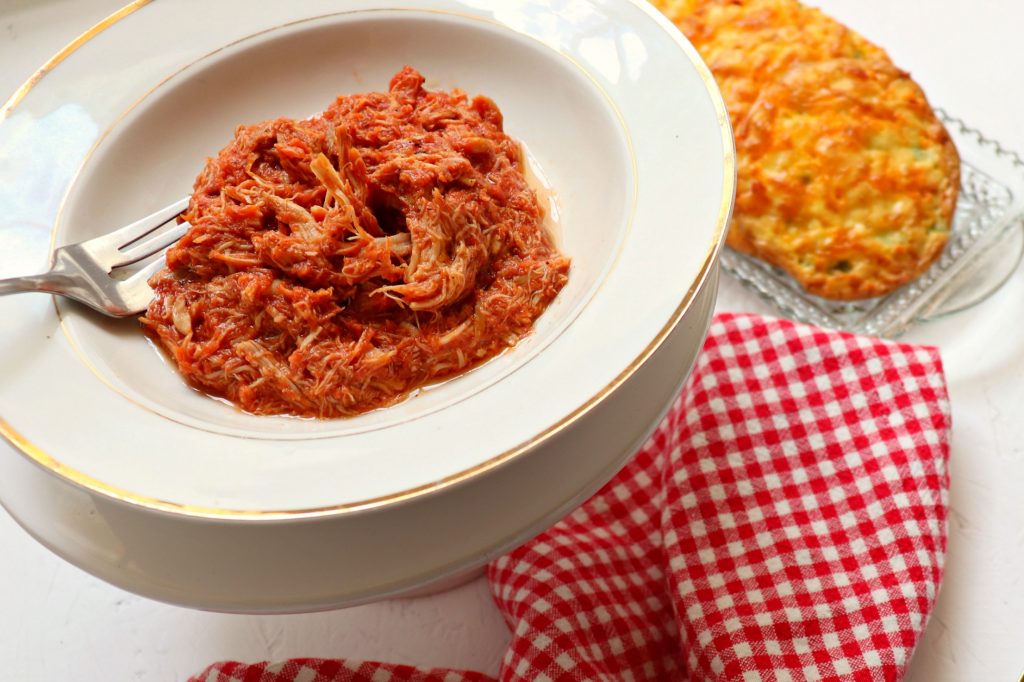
pixel 336 263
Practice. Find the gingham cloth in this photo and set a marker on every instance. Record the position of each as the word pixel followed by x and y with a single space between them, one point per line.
pixel 786 521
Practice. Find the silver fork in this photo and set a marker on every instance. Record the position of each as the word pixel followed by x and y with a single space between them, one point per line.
pixel 87 271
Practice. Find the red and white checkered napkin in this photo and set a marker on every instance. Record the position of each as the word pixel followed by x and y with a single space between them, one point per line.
pixel 786 521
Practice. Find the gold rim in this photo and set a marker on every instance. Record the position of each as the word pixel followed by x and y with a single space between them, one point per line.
pixel 78 478
pixel 56 59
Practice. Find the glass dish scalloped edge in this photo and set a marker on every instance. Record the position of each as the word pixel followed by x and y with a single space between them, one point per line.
pixel 989 213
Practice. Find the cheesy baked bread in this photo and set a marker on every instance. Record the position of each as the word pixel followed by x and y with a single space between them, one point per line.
pixel 846 179
pixel 749 44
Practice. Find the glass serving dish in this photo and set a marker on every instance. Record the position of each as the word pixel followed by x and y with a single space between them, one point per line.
pixel 985 246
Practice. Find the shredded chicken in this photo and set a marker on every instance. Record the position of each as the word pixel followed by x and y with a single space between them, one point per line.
pixel 335 264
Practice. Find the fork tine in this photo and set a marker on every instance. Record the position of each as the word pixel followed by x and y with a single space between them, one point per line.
pixel 134 292
pixel 150 245
pixel 146 272
pixel 143 273
pixel 129 234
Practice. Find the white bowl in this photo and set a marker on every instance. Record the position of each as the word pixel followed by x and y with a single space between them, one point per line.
pixel 149 485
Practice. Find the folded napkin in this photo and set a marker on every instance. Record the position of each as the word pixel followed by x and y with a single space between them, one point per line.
pixel 786 521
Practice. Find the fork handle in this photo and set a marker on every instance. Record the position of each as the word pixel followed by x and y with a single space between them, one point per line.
pixel 66 278
pixel 49 281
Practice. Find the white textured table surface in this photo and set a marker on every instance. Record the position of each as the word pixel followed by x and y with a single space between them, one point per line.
pixel 58 623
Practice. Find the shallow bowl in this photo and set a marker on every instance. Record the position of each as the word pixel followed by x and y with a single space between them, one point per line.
pixel 129 474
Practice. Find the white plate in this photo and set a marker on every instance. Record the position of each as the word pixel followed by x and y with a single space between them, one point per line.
pixel 621 118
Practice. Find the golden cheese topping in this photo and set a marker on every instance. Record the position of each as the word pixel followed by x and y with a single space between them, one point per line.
pixel 676 10
pixel 751 43
pixel 847 180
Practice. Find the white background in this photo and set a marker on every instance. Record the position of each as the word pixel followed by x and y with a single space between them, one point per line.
pixel 58 623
